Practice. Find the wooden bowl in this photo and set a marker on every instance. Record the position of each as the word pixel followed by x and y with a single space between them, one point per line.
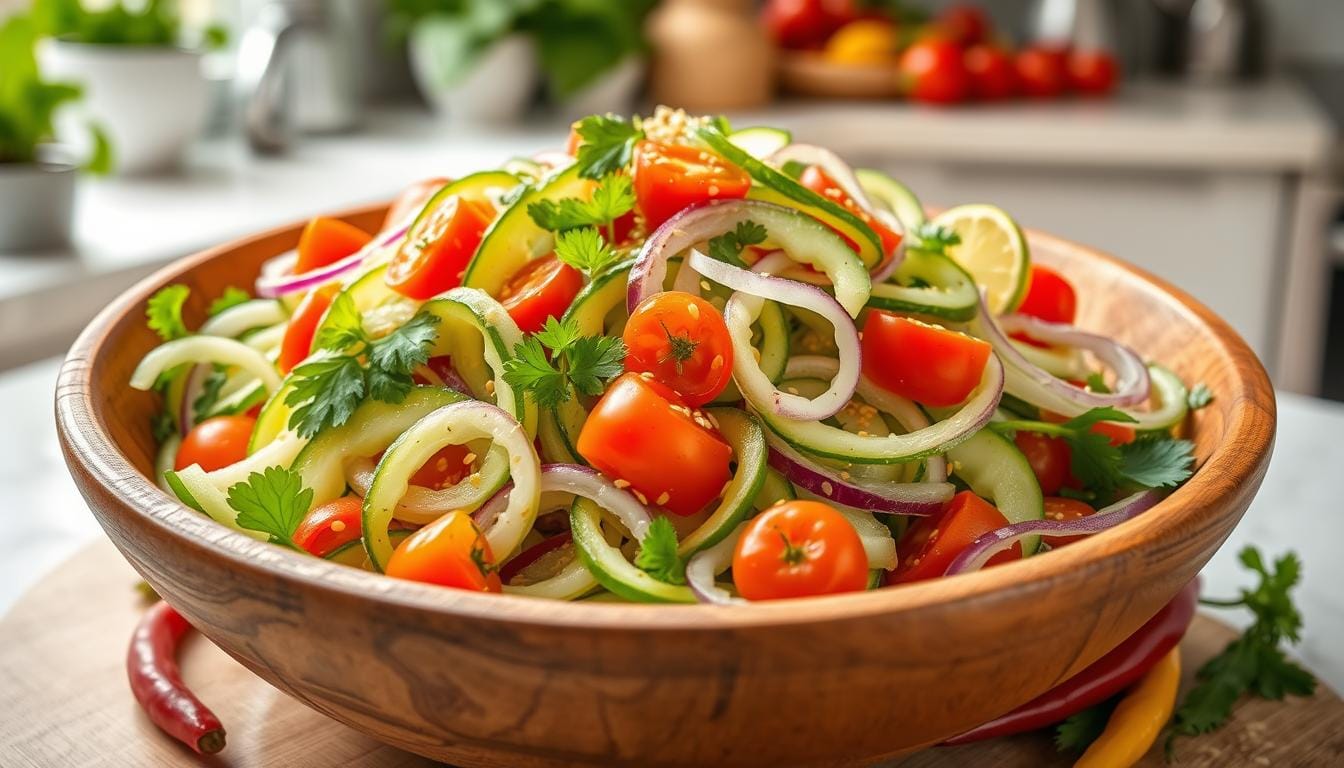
pixel 478 679
pixel 809 73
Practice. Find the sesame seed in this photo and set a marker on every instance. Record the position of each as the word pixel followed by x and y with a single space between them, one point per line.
pixel 646 375
pixel 621 483
pixel 642 498
pixel 337 526
pixel 704 285
pixel 827 488
pixel 844 475
pixel 662 498
pixel 470 457
pixel 693 310
pixel 792 390
pixel 716 363
pixel 863 433
pixel 713 190
pixel 441 465
pixel 490 387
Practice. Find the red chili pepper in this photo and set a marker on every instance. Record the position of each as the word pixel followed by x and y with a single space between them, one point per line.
pixel 156 681
pixel 532 554
pixel 1107 676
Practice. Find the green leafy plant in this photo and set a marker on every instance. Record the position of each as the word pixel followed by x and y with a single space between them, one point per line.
pixel 152 23
pixel 577 40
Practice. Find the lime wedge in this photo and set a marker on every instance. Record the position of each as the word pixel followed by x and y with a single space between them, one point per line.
pixel 993 250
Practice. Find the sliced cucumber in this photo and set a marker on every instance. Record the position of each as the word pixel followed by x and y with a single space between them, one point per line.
pixel 608 565
pixel 240 318
pixel 928 284
pixel 772 331
pixel 743 433
pixel 352 553
pixel 1172 401
pixel 761 141
pixel 995 469
pixel 775 489
pixel 208 491
pixel 599 297
pixel 558 430
pixel 894 195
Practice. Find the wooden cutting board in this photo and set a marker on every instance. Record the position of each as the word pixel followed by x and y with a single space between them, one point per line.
pixel 64 699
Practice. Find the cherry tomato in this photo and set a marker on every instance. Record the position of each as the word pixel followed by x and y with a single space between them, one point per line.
pixel 1042 71
pixel 799 549
pixel 413 198
pixel 817 180
pixel 640 433
pixel 1049 458
pixel 542 289
pixel 451 552
pixel 326 241
pixel 797 23
pixel 1060 508
pixel 932 71
pixel 1092 73
pixel 934 542
pixel 298 341
pixel 993 76
pixel 670 177
pixel 964 24
pixel 1049 296
pixel 438 247
pixel 331 526
pixel 681 339
pixel 573 141
pixel 215 443
pixel 444 469
pixel 926 363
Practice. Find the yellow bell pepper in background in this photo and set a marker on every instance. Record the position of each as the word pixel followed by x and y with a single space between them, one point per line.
pixel 866 41
pixel 1138 718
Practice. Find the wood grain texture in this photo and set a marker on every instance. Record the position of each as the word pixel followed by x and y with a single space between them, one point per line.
pixel 488 680
pixel 67 701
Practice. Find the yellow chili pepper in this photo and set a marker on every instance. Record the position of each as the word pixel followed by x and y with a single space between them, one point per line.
pixel 1138 718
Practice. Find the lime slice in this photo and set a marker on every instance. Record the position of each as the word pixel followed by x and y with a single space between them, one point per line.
pixel 993 250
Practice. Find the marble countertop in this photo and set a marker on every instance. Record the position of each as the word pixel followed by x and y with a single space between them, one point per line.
pixel 46 521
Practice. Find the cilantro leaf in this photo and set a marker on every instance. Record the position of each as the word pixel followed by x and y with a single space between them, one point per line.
pixel 593 360
pixel 162 426
pixel 576 362
pixel 608 143
pixel 1096 415
pixel 343 326
pixel 231 297
pixel 326 393
pixel 273 502
pixel 405 349
pixel 658 553
pixel 728 246
pixel 1079 730
pixel 935 238
pixel 164 312
pixel 529 371
pixel 585 250
pixel 1159 463
pixel 1097 383
pixel 611 199
pixel 209 396
pixel 558 336
pixel 1199 397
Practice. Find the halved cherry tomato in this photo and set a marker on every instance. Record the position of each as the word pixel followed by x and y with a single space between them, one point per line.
pixel 1049 458
pixel 438 247
pixel 926 363
pixel 1060 508
pixel 215 443
pixel 326 241
pixel 298 341
pixel 670 177
pixel 682 340
pixel 1043 71
pixel 331 526
pixel 451 552
pixel 934 542
pixel 932 71
pixel 817 180
pixel 1049 296
pixel 542 289
pixel 642 434
pixel 413 198
pixel 573 141
pixel 798 549
pixel 444 469
pixel 1092 73
pixel 993 76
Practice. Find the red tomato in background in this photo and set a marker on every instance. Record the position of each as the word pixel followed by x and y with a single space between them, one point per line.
pixel 926 363
pixel 326 241
pixel 215 443
pixel 817 180
pixel 682 340
pixel 1042 71
pixel 451 552
pixel 799 549
pixel 298 341
pixel 1059 508
pixel 933 542
pixel 670 177
pixel 413 198
pixel 1092 73
pixel 993 76
pixel 798 23
pixel 331 526
pixel 1049 296
pixel 542 289
pixel 640 433
pixel 1049 458
pixel 964 24
pixel 932 71
pixel 438 247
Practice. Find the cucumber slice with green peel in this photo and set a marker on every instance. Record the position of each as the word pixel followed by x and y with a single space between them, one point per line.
pixel 608 565
pixel 996 470
pixel 928 284
pixel 352 553
pixel 571 583
pixel 771 330
pixel 515 239
pixel 558 430
pixel 993 250
pixel 775 489
pixel 894 195
pixel 208 491
pixel 744 434
pixel 602 294
pixel 775 187
pixel 761 141
pixel 1173 403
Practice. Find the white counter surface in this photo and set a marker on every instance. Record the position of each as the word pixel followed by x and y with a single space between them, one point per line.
pixel 45 520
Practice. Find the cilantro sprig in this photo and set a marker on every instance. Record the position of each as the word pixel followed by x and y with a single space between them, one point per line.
pixel 728 246
pixel 1253 663
pixel 585 250
pixel 272 502
pixel 231 297
pixel 608 142
pixel 657 554
pixel 613 197
pixel 1077 732
pixel 1200 396
pixel 935 238
pixel 163 312
pixel 327 390
pixel 575 363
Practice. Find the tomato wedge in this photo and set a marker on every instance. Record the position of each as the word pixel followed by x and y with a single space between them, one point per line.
pixel 798 549
pixel 670 177
pixel 926 363
pixel 542 289
pixel 682 340
pixel 413 198
pixel 298 341
pixel 641 433
pixel 1049 296
pixel 331 526
pixel 326 241
pixel 451 552
pixel 215 443
pixel 934 542
pixel 817 180
pixel 438 247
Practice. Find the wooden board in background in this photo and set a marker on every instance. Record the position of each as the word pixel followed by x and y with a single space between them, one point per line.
pixel 64 699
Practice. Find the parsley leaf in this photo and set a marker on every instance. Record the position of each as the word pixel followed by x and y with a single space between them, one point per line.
pixel 728 246
pixel 209 396
pixel 231 297
pixel 326 393
pixel 658 553
pixel 162 426
pixel 558 336
pixel 405 349
pixel 585 250
pixel 935 238
pixel 608 143
pixel 164 312
pixel 1079 730
pixel 273 502
pixel 1097 383
pixel 576 363
pixel 593 360
pixel 1200 396
pixel 1157 463
pixel 529 371
pixel 1253 663
pixel 612 199
pixel 343 326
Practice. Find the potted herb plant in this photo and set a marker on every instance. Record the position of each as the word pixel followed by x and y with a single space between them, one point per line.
pixel 37 179
pixel 140 70
pixel 478 60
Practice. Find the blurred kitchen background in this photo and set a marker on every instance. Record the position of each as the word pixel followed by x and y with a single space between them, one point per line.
pixel 1196 138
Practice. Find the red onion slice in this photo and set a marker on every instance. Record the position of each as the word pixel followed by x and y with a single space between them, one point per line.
pixel 1044 390
pixel 580 481
pixel 974 557
pixel 710 562
pixel 920 499
pixel 274 284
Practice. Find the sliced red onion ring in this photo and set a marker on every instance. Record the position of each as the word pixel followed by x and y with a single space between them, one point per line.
pixel 580 481
pixel 708 563
pixel 1043 390
pixel 974 557
pixel 272 284
pixel 740 313
pixel 921 499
